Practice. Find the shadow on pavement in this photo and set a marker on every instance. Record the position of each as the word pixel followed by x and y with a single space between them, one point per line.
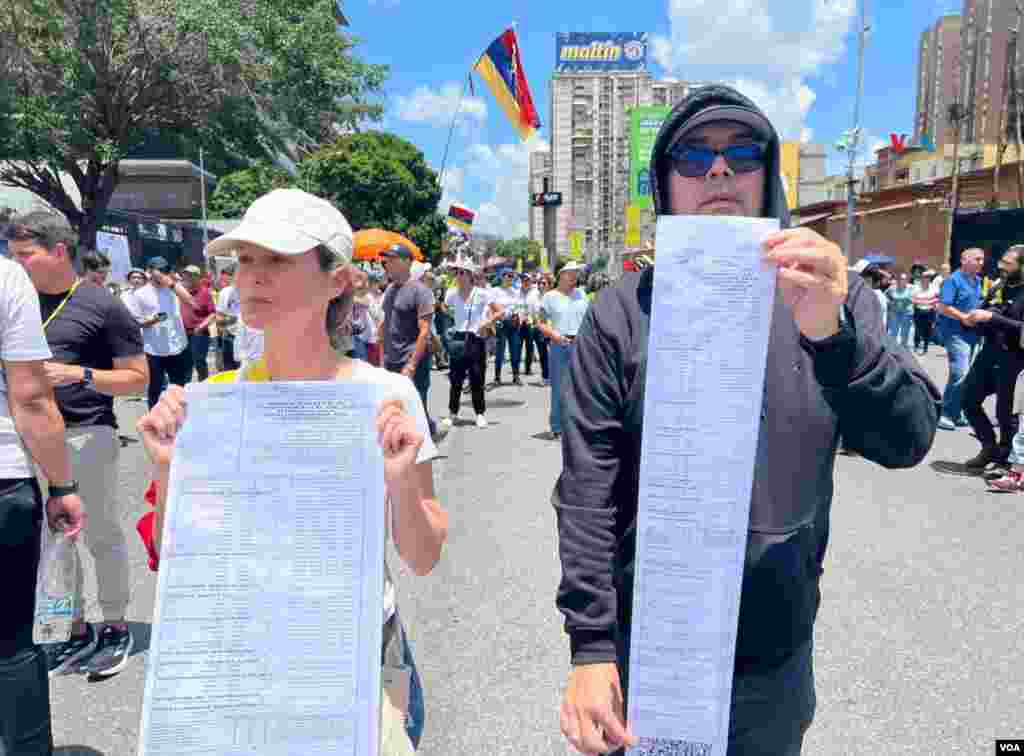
pixel 545 436
pixel 955 468
pixel 76 750
pixel 498 403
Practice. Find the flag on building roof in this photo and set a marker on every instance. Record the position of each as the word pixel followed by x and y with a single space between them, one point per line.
pixel 460 216
pixel 502 69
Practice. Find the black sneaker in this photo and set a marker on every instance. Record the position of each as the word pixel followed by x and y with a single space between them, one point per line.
pixel 64 657
pixel 982 460
pixel 112 655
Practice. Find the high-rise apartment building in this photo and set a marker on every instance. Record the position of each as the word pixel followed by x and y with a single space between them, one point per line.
pixel 985 31
pixel 589 158
pixel 938 83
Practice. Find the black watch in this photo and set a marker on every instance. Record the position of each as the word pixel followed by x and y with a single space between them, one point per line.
pixel 58 491
pixel 87 378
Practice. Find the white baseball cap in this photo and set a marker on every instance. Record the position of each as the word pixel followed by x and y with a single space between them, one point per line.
pixel 290 222
pixel 570 267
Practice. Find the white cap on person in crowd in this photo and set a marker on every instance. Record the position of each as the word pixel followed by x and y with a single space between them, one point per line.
pixel 290 222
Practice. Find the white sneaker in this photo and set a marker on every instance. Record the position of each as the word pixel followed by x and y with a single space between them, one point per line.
pixel 481 421
pixel 447 423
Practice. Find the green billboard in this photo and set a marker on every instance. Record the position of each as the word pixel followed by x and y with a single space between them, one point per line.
pixel 643 129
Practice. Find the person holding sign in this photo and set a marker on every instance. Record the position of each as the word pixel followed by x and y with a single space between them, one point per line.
pixel 295 283
pixel 830 371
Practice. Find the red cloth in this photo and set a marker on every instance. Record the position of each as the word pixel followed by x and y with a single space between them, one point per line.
pixel 373 354
pixel 204 308
pixel 145 527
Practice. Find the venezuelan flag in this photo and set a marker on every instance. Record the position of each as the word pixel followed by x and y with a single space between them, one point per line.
pixel 502 70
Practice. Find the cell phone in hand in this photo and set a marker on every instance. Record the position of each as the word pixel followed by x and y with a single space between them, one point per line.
pixel 161 316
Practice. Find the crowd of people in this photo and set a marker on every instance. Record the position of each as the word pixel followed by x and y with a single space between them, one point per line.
pixel 296 307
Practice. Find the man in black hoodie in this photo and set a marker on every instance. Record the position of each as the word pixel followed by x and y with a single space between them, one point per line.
pixel 829 372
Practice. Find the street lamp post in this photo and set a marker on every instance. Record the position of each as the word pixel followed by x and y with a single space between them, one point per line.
pixel 853 144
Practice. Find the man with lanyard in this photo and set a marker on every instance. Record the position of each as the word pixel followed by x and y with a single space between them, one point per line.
pixel 960 295
pixel 97 355
pixel 408 309
pixel 30 429
pixel 999 362
pixel 156 307
pixel 561 313
pixel 470 311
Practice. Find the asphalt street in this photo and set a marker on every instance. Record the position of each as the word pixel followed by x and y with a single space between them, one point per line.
pixel 919 641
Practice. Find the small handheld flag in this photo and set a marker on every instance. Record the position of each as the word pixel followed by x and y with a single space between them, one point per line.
pixel 502 70
pixel 460 216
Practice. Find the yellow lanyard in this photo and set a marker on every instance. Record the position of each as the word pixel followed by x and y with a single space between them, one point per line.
pixel 60 307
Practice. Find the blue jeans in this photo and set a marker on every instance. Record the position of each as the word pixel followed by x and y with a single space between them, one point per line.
pixel 507 334
pixel 558 368
pixel 361 349
pixel 421 378
pixel 199 343
pixel 958 352
pixel 899 327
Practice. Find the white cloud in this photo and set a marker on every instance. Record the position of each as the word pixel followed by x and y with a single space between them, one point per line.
pixel 806 135
pixel 504 173
pixel 437 107
pixel 451 187
pixel 765 48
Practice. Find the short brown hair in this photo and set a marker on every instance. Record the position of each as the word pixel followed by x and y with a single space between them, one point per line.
pixel 46 229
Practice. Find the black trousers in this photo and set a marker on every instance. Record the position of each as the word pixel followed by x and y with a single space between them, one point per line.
pixel 994 371
pixel 533 337
pixel 473 363
pixel 924 322
pixel 24 687
pixel 174 368
pixel 227 352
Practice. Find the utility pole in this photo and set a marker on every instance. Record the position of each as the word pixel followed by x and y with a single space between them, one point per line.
pixel 855 133
pixel 1012 84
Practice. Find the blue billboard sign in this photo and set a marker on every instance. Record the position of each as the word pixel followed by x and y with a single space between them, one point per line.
pixel 600 51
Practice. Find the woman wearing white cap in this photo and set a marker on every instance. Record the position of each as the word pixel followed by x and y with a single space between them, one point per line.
pixel 561 314
pixel 295 282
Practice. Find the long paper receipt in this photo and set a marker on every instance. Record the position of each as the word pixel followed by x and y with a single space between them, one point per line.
pixel 267 630
pixel 710 320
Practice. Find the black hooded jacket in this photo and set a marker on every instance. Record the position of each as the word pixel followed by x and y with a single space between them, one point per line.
pixel 852 384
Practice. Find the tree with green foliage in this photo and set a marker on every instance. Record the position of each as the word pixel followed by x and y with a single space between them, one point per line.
pixel 524 249
pixel 378 180
pixel 237 190
pixel 87 81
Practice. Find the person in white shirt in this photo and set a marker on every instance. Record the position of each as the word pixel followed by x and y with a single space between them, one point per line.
pixel 31 428
pixel 536 288
pixel 156 306
pixel 471 311
pixel 513 304
pixel 229 313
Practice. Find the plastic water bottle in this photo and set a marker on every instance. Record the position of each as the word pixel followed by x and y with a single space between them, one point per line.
pixel 55 588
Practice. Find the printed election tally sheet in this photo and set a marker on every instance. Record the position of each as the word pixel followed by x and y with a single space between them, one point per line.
pixel 710 320
pixel 267 630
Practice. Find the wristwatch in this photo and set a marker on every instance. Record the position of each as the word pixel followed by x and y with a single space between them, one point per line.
pixel 58 491
pixel 87 378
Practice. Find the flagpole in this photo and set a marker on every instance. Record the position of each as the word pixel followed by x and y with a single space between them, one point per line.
pixel 451 130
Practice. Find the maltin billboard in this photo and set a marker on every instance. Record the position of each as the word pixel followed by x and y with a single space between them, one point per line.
pixel 600 51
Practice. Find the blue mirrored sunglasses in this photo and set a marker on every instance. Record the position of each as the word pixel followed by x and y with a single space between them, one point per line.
pixel 691 161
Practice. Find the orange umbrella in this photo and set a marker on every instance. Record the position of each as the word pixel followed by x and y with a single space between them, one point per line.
pixel 370 242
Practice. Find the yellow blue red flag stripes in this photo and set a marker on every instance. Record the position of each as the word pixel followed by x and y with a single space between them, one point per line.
pixel 460 216
pixel 502 69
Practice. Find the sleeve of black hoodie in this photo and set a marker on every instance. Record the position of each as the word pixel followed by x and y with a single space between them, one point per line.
pixel 593 395
pixel 888 407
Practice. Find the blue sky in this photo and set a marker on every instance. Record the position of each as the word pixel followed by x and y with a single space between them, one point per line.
pixel 796 58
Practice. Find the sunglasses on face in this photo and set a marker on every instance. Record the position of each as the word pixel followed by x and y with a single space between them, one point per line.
pixel 694 161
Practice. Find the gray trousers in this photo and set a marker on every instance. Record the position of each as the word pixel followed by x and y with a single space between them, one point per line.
pixel 772 710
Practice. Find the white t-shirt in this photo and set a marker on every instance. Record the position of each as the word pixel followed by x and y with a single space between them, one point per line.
pixel 390 386
pixel 468 316
pixel 230 303
pixel 21 340
pixel 513 300
pixel 167 337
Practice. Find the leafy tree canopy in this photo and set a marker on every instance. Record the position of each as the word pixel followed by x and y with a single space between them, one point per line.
pixel 88 81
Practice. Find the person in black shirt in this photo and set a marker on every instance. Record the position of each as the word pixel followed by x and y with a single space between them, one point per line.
pixel 995 369
pixel 97 355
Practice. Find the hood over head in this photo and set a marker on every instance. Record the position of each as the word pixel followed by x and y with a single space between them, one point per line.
pixel 693 110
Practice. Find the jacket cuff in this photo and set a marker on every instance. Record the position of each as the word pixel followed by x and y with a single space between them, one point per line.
pixel 592 646
pixel 833 357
